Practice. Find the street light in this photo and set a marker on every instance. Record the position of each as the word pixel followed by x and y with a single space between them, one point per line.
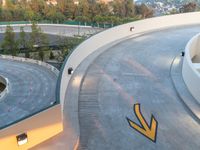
pixel 70 70
pixel 22 139
pixel 77 3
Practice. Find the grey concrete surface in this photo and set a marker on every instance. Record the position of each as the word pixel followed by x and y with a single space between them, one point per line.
pixel 136 71
pixel 31 89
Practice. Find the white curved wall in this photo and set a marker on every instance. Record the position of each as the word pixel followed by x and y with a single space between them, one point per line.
pixel 118 33
pixel 190 72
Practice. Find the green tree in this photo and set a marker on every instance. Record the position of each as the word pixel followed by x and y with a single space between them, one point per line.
pixel 55 16
pixel 37 37
pixel 83 8
pixel 27 55
pixel 102 9
pixel 129 8
pixel 98 19
pixel 144 11
pixel 51 57
pixel 67 8
pixel 22 38
pixel 9 44
pixel 41 55
pixel 118 8
pixel 82 19
pixel 189 7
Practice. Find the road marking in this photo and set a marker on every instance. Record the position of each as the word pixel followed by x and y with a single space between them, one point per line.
pixel 148 131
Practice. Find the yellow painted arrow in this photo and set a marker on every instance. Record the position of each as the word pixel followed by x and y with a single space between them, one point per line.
pixel 148 131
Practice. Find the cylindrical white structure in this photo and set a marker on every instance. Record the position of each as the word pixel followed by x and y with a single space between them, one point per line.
pixel 191 67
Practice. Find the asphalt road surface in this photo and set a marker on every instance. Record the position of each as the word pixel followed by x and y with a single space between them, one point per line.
pixel 136 71
pixel 55 33
pixel 31 89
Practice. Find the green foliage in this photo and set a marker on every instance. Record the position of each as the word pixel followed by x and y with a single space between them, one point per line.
pixel 27 55
pixel 37 38
pixel 144 11
pixel 83 10
pixel 41 55
pixel 51 55
pixel 22 39
pixel 9 44
pixel 189 7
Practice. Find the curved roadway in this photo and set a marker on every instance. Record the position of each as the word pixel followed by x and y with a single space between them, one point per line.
pixel 136 71
pixel 57 29
pixel 31 89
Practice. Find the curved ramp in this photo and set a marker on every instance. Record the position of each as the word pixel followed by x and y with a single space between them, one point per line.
pixel 31 89
pixel 136 71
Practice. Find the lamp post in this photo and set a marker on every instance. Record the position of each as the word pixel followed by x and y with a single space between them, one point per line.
pixel 77 3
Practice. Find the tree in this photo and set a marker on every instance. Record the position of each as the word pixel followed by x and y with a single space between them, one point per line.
pixel 98 19
pixel 83 19
pixel 129 8
pixel 41 55
pixel 51 56
pixel 144 11
pixel 83 8
pixel 37 38
pixel 114 20
pixel 9 44
pixel 190 7
pixel 27 55
pixel 22 38
pixel 102 9
pixel 66 7
pixel 55 16
pixel 118 8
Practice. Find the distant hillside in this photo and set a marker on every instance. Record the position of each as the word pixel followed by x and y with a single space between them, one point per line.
pixel 175 2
